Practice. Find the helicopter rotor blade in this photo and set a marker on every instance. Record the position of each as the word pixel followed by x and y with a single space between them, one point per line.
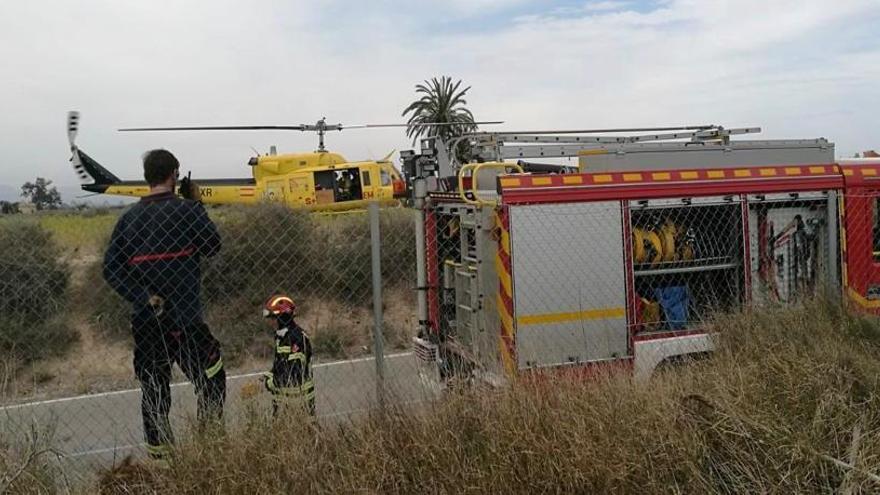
pixel 424 124
pixel 219 128
pixel 320 127
pixel 618 130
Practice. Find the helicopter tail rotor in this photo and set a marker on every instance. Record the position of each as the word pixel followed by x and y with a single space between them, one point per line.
pixel 75 159
pixel 85 167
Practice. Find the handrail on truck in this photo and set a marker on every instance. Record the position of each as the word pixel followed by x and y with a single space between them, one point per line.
pixel 474 169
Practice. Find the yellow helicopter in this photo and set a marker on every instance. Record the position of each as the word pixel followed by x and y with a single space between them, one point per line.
pixel 320 181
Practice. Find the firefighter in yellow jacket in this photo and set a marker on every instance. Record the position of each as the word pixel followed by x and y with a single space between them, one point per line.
pixel 290 381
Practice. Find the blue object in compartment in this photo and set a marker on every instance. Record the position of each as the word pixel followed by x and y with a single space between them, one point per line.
pixel 674 301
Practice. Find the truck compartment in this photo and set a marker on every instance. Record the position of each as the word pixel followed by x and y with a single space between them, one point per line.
pixel 687 260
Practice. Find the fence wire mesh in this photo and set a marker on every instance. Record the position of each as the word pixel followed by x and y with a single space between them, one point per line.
pixel 510 290
pixel 76 356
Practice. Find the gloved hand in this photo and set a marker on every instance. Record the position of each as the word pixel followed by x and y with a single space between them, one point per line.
pixel 157 304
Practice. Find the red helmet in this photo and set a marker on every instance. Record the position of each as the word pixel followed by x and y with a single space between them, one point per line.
pixel 279 305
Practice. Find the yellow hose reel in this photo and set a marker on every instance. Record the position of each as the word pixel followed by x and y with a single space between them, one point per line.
pixel 647 246
pixel 666 243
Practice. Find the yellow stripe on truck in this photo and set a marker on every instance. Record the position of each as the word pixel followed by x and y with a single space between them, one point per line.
pixel 505 290
pixel 504 316
pixel 590 314
pixel 862 300
pixel 503 276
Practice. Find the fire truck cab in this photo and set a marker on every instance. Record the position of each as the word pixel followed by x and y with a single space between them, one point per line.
pixel 626 262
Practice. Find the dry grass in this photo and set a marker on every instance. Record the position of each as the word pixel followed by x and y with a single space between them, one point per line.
pixel 91 365
pixel 789 404
pixel 28 466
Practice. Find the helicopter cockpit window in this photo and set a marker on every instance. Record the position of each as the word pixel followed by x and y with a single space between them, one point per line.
pixel 385 177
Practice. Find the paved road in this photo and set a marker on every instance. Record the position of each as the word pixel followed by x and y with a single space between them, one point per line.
pixel 95 429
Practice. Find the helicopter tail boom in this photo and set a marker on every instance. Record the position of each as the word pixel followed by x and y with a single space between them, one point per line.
pixel 87 168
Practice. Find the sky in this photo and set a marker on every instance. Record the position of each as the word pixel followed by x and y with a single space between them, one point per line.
pixel 798 69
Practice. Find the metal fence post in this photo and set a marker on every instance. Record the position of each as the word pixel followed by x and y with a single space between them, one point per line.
pixel 833 245
pixel 378 337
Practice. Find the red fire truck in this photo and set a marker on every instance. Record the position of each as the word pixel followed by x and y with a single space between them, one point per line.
pixel 625 260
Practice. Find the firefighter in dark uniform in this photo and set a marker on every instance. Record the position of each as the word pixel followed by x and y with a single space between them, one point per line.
pixel 290 381
pixel 153 262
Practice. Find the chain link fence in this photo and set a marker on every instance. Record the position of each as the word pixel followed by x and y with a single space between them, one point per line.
pixel 68 366
pixel 510 291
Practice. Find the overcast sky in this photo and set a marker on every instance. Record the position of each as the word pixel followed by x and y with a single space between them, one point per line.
pixel 799 69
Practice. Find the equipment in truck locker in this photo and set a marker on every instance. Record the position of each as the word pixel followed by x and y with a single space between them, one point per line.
pixel 647 246
pixel 663 243
pixel 788 250
pixel 674 302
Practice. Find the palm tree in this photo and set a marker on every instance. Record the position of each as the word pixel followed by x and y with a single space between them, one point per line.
pixel 441 102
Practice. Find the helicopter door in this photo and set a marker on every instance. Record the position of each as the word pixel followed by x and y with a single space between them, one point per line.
pixel 325 187
pixel 299 189
pixel 275 190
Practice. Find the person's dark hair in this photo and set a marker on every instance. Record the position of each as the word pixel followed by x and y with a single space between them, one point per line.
pixel 159 165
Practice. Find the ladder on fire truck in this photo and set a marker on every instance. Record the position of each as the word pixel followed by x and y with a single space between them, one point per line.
pixel 499 146
pixel 468 296
pixel 627 146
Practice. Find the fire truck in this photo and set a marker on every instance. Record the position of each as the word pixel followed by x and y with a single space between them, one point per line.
pixel 625 260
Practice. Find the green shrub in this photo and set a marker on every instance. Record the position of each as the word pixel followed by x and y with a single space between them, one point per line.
pixel 33 293
pixel 107 311
pixel 240 328
pixel 266 248
pixel 342 257
pixel 398 247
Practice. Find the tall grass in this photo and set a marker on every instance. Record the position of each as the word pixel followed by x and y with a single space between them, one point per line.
pixel 27 467
pixel 788 404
